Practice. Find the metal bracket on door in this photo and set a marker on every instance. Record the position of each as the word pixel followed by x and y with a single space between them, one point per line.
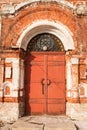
pixel 43 83
pixel 48 82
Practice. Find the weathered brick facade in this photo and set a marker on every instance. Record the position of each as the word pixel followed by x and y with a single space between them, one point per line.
pixel 20 21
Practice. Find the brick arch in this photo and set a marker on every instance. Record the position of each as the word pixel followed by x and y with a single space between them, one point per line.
pixel 39 12
pixel 45 26
pixel 26 3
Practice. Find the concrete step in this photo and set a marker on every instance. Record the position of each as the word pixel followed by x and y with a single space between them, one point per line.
pixel 81 125
pixel 43 123
pixel 46 123
pixel 60 126
pixel 28 126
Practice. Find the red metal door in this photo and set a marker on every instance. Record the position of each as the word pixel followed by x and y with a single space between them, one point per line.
pixel 56 87
pixel 45 83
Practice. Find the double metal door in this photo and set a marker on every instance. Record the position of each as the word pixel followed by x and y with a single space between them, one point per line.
pixel 45 83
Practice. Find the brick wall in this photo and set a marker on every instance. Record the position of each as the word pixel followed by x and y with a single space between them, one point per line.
pixel 14 20
pixel 38 11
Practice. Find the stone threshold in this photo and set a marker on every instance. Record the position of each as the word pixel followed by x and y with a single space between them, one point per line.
pixel 42 123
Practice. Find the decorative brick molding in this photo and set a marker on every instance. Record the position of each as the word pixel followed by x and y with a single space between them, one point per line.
pixel 77 111
pixel 8 8
pixel 41 26
pixel 81 10
pixel 35 22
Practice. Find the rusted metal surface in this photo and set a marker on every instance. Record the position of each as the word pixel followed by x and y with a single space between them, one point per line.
pixel 45 83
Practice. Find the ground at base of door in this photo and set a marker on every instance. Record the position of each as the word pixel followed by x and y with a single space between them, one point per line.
pixel 46 123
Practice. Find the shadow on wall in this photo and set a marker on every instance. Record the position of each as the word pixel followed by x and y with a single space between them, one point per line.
pixel 28 82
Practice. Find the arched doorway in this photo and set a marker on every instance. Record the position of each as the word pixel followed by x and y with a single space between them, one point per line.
pixel 45 75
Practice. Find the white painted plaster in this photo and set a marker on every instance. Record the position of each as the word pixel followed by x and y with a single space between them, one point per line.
pixel 77 110
pixel 68 94
pixel 9 112
pixel 45 26
pixel 9 60
pixel 69 76
pixel 1 74
pixel 21 93
pixel 16 74
pixel 62 2
pixel 81 9
pixel 15 71
pixel 74 93
pixel 8 72
pixel 1 93
pixel 15 93
pixel 86 90
pixel 74 60
pixel 21 74
pixel 0 26
pixel 7 9
pixel 11 9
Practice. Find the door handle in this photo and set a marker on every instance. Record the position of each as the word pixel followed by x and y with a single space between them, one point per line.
pixel 42 82
pixel 43 89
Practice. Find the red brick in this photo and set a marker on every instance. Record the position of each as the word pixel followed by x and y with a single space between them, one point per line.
pixel 53 12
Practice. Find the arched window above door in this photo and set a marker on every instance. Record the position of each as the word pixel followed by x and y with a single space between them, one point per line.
pixel 45 42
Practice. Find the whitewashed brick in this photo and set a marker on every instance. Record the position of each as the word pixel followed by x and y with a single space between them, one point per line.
pixel 9 112
pixel 74 60
pixel 77 110
pixel 8 72
pixel 0 27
